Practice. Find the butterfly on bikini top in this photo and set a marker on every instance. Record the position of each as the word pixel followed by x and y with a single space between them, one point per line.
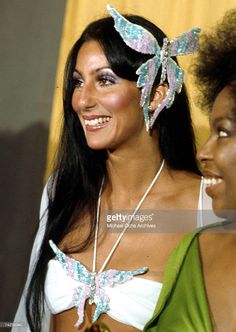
pixel 91 284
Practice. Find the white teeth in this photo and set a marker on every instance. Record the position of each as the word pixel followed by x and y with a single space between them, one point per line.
pixel 212 181
pixel 97 121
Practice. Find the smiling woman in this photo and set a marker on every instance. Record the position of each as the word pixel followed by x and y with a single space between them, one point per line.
pixel 127 147
pixel 219 153
pixel 216 74
pixel 199 292
pixel 105 103
pixel 218 156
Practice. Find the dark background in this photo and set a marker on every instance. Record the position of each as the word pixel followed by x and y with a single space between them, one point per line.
pixel 30 33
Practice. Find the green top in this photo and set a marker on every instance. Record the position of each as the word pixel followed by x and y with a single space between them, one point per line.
pixel 182 305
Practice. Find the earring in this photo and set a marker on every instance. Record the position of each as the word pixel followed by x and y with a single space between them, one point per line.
pixel 150 108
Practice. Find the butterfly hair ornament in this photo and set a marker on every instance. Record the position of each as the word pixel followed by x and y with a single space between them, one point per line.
pixel 141 40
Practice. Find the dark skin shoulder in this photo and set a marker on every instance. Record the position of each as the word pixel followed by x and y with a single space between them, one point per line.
pixel 218 255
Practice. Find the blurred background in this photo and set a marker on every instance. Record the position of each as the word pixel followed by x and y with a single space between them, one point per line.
pixel 30 33
pixel 35 37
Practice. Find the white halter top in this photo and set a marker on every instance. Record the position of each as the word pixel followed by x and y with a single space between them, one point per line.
pixel 101 287
pixel 131 303
pixel 142 293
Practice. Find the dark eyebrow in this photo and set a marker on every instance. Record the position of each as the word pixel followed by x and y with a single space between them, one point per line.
pixel 230 117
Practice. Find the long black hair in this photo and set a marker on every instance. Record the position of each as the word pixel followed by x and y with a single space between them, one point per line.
pixel 73 187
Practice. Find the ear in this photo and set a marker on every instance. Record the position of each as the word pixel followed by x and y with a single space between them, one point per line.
pixel 158 95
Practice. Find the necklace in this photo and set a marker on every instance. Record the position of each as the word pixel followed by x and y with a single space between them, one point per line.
pixel 127 224
pixel 91 285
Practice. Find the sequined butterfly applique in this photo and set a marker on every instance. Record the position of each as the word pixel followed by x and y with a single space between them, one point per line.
pixel 91 284
pixel 141 40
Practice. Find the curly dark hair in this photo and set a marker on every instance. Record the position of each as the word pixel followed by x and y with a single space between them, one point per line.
pixel 215 63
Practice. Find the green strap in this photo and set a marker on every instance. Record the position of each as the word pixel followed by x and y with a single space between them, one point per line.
pixel 182 305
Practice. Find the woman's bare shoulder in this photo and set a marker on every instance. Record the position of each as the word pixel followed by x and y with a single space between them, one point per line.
pixel 218 252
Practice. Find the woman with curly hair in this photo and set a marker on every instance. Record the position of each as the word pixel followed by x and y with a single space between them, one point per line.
pixel 199 292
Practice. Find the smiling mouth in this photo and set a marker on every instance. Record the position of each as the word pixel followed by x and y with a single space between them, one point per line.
pixel 97 121
pixel 211 181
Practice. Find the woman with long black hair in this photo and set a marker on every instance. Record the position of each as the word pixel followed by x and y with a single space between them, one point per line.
pixel 127 146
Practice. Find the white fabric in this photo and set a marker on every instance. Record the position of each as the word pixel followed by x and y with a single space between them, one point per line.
pixel 20 317
pixel 131 303
pixel 134 293
pixel 205 214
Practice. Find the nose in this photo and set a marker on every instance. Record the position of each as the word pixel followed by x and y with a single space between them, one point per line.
pixel 85 97
pixel 205 152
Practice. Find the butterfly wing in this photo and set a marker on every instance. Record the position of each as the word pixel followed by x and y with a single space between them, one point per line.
pixel 102 303
pixel 147 73
pixel 109 278
pixel 185 43
pixel 73 268
pixel 135 36
pixel 112 277
pixel 80 296
pixel 175 76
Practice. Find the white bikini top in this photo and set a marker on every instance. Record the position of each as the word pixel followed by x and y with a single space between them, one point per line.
pixel 131 303
pixel 114 292
pixel 57 293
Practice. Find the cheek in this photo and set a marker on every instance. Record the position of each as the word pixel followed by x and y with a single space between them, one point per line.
pixel 227 166
pixel 118 102
pixel 74 102
pixel 227 160
pixel 221 157
pixel 230 177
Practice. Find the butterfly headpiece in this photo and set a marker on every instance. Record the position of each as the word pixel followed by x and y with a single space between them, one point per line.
pixel 141 40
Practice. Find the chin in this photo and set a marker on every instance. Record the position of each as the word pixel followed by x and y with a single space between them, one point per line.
pixel 219 210
pixel 96 145
pixel 227 214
